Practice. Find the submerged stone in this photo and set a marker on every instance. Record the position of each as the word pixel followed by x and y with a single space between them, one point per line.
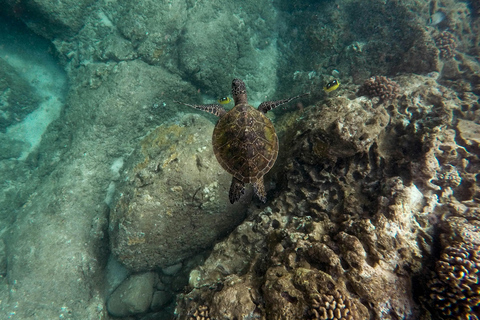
pixel 17 97
pixel 133 296
pixel 174 201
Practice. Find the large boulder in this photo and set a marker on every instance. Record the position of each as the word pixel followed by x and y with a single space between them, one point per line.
pixel 51 18
pixel 174 201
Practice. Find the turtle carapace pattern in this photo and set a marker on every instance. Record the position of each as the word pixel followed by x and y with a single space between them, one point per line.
pixel 244 140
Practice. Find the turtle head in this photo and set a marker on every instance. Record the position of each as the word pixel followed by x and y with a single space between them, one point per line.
pixel 239 92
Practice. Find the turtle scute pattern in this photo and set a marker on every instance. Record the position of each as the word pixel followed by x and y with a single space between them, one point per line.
pixel 245 143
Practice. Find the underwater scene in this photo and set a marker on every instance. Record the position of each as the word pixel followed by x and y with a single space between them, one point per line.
pixel 236 160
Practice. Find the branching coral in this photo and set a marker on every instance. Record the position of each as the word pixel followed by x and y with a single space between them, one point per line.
pixel 381 87
pixel 455 289
pixel 447 44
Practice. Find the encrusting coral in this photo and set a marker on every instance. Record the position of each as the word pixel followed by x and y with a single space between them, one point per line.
pixel 455 288
pixel 381 87
pixel 447 44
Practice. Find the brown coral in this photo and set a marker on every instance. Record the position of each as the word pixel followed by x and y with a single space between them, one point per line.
pixel 201 313
pixel 337 306
pixel 381 87
pixel 447 44
pixel 455 289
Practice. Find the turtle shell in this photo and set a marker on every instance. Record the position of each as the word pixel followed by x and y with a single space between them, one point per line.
pixel 245 143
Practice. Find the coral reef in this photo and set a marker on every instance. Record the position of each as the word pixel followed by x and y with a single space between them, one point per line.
pixel 352 218
pixel 380 87
pixel 447 44
pixel 455 289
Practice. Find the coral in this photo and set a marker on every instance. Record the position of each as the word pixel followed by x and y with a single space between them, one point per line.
pixel 360 200
pixel 455 288
pixel 337 136
pixel 381 87
pixel 336 306
pixel 447 44
pixel 201 313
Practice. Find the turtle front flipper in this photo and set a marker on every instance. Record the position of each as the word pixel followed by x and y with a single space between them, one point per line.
pixel 259 189
pixel 269 105
pixel 215 109
pixel 237 189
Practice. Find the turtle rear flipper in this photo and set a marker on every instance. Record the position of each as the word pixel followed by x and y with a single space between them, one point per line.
pixel 237 189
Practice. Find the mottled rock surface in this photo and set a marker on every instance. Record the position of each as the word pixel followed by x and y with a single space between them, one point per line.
pixel 49 18
pixel 11 148
pixel 58 244
pixel 133 296
pixel 175 198
pixel 17 96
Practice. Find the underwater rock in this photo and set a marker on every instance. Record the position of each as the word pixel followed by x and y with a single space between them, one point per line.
pixel 174 199
pixel 235 300
pixel 51 19
pixel 60 208
pixel 132 296
pixel 356 194
pixel 338 128
pixel 422 57
pixel 3 259
pixel 160 299
pixel 248 49
pixel 469 131
pixel 11 148
pixel 17 97
pixel 155 43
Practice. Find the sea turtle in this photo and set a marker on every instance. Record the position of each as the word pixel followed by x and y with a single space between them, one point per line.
pixel 244 140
